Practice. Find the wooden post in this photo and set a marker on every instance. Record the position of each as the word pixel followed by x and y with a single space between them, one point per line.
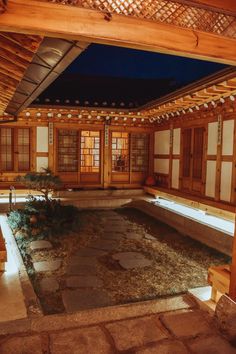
pixel 232 286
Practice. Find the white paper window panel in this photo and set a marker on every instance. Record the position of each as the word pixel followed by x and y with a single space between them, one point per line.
pixel 175 174
pixel 161 166
pixel 176 141
pixel 41 163
pixel 212 138
pixel 210 179
pixel 228 137
pixel 226 180
pixel 42 139
pixel 162 142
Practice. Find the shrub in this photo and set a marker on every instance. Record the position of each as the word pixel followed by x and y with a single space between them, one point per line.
pixel 18 219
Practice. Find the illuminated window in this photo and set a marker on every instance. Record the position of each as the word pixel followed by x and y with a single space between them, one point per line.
pixel 23 149
pixel 67 150
pixel 120 152
pixel 7 149
pixel 139 152
pixel 90 151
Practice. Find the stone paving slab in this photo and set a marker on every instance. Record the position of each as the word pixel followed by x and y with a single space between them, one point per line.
pixel 137 332
pixel 133 236
pixel 191 323
pixel 47 266
pixel 105 245
pixel 112 236
pixel 22 345
pixel 90 252
pixel 74 269
pixel 89 281
pixel 80 299
pixel 211 345
pixel 40 245
pixel 49 285
pixel 168 347
pixel 77 260
pixel 130 260
pixel 80 341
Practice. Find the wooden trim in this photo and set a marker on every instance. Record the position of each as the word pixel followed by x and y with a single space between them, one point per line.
pixel 225 6
pixel 161 156
pixel 77 23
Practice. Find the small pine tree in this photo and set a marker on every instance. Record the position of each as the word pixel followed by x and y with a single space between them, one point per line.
pixel 44 182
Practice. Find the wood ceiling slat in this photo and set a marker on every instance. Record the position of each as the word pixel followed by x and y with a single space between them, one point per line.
pixel 16 53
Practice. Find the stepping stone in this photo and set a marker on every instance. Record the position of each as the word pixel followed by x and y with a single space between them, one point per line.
pixel 49 285
pixel 150 237
pixel 130 260
pixel 47 266
pixel 40 245
pixel 104 244
pixel 133 236
pixel 90 252
pixel 74 269
pixel 112 236
pixel 90 281
pixel 77 260
pixel 80 299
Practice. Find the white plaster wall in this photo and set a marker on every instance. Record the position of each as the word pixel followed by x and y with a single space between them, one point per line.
pixel 228 137
pixel 212 138
pixel 176 141
pixel 210 179
pixel 162 142
pixel 226 180
pixel 41 162
pixel 175 174
pixel 42 139
pixel 161 166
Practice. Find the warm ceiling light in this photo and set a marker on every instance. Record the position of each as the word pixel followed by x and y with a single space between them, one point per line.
pixel 59 115
pixel 222 100
pixel 232 98
pixel 69 115
pixel 205 105
pixel 27 114
pixel 38 114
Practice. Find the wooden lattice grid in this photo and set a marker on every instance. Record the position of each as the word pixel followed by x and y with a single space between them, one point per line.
pixel 171 12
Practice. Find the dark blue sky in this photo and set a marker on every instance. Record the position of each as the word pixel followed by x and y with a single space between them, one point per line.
pixel 101 60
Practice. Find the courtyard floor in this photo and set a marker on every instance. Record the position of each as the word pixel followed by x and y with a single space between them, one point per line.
pixel 116 257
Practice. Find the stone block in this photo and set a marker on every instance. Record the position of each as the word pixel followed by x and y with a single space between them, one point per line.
pixel 168 347
pixel 137 332
pixel 22 345
pixel 186 324
pixel 225 315
pixel 130 260
pixel 82 341
pixel 211 345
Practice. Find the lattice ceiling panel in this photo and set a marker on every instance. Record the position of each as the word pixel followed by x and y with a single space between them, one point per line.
pixel 170 12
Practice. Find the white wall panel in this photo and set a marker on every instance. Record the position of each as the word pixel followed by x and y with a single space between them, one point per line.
pixel 161 166
pixel 228 137
pixel 226 180
pixel 42 139
pixel 175 174
pixel 41 162
pixel 211 179
pixel 176 141
pixel 162 142
pixel 212 138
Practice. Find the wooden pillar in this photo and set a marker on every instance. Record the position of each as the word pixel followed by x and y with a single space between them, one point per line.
pixel 232 287
pixel 106 177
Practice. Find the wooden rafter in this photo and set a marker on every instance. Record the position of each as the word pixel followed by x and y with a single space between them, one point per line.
pixel 227 6
pixel 127 31
pixel 16 53
pixel 204 92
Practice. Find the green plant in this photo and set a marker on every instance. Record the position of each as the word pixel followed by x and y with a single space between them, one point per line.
pixel 44 182
pixel 18 219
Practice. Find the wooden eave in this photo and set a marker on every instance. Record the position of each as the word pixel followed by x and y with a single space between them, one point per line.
pixel 211 89
pixel 51 59
pixel 16 53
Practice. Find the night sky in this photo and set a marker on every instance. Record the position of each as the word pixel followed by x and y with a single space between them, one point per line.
pixel 102 60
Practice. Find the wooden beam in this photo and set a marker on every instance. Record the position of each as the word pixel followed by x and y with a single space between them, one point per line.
pixel 225 6
pixel 232 287
pixel 76 23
